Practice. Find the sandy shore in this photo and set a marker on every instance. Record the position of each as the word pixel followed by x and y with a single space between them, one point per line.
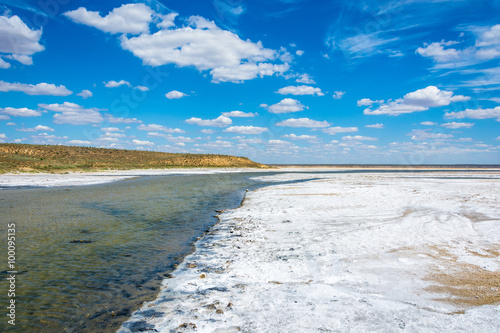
pixel 343 253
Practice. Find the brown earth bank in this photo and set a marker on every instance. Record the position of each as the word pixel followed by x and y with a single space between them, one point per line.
pixel 50 158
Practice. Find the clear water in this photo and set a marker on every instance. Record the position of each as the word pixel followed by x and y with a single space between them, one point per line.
pixel 138 230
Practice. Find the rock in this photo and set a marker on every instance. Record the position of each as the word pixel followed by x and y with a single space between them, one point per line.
pixel 188 325
pixel 203 275
pixel 81 241
pixel 219 311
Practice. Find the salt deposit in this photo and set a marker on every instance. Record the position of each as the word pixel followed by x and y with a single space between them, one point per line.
pixel 360 252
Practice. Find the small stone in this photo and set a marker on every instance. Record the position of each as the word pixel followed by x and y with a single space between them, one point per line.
pixel 188 325
pixel 219 311
pixel 203 275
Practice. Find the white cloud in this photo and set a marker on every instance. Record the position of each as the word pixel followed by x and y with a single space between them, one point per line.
pixel 142 143
pixel 286 105
pixel 174 94
pixel 207 131
pixel 18 41
pixel 299 52
pixel 303 122
pixel 44 138
pixel 246 129
pixel 85 94
pixel 161 128
pixel 422 135
pixel 368 102
pixel 37 128
pixel 35 89
pixel 3 137
pixel 428 123
pixel 129 18
pixel 142 88
pixel 358 138
pixel 203 45
pixel 119 120
pixel 74 114
pixel 300 137
pixel 4 64
pixel 300 90
pixel 437 52
pixel 475 114
pixel 363 45
pixel 498 138
pixel 114 84
pixel 420 100
pixel 305 78
pixel 79 143
pixel 375 126
pixel 239 114
pixel 486 47
pixel 338 129
pixel 455 125
pixel 338 94
pixel 111 129
pixel 22 58
pixel 221 121
pixel 20 112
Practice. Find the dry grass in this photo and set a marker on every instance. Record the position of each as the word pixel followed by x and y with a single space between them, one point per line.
pixel 26 158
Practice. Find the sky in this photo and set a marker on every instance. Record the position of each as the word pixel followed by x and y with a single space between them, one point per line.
pixel 278 81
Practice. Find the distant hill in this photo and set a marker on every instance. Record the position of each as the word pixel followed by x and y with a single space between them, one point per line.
pixel 48 158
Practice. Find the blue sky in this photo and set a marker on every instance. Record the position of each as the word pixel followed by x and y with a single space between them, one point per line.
pixel 278 81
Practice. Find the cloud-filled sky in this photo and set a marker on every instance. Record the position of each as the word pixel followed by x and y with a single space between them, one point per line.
pixel 278 81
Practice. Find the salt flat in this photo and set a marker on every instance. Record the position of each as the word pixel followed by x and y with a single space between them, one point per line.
pixel 351 252
pixel 99 177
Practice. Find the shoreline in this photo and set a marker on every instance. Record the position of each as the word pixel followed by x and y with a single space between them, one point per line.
pixel 81 178
pixel 269 255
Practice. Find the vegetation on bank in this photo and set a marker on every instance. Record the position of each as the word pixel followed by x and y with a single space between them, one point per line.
pixel 48 158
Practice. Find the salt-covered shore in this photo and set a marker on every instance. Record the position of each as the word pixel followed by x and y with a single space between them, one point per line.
pixel 100 177
pixel 376 252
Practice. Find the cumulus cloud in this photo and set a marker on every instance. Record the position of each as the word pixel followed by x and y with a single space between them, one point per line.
pixel 338 94
pixel 420 100
pixel 428 123
pixel 174 94
pixel 207 131
pixel 35 89
pixel 422 135
pixel 286 105
pixel 246 129
pixel 303 122
pixel 142 143
pixel 85 94
pixel 20 112
pixel 438 52
pixel 161 128
pixel 203 45
pixel 368 102
pixel 300 137
pixel 475 114
pixel 305 78
pixel 375 126
pixel 455 125
pixel 338 129
pixel 358 138
pixel 129 18
pixel 300 90
pixel 221 121
pixel 79 142
pixel 74 114
pixel 18 41
pixel 37 128
pixel 114 84
pixel 240 114
pixel 120 120
pixel 486 47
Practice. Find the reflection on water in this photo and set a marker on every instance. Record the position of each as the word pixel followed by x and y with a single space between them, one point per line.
pixel 91 255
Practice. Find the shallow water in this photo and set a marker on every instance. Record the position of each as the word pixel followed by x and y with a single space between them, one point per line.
pixel 133 234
